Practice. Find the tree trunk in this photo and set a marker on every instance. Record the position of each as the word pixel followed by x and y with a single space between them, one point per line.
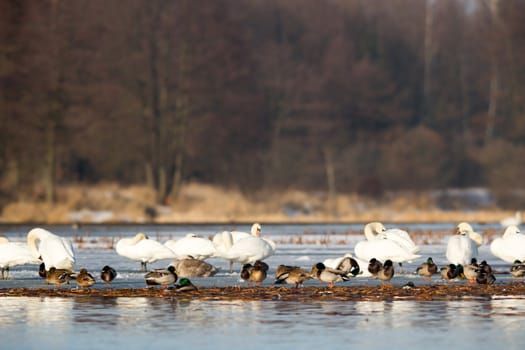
pixel 427 56
pixel 494 77
pixel 330 177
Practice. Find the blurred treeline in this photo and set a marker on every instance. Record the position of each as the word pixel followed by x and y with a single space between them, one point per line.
pixel 334 95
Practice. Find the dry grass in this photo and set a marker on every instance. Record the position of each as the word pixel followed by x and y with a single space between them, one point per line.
pixel 199 203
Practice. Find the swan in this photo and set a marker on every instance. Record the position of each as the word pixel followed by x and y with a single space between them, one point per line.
pixel 246 249
pixel 515 220
pixel 383 244
pixel 463 245
pixel 191 245
pixel 334 263
pixel 509 247
pixel 143 249
pixel 53 250
pixel 14 254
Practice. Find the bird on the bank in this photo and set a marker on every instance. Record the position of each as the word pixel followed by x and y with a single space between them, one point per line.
pixel 52 250
pixel 58 276
pixel 190 267
pixel 255 273
pixel 108 274
pixel 14 254
pixel 470 271
pixel 346 263
pixel 510 246
pixel 185 285
pixel 427 269
pixel 292 275
pixel 484 274
pixel 386 272
pixel 284 268
pixel 517 270
pixel 463 245
pixel 449 272
pixel 374 266
pixel 143 249
pixel 84 279
pixel 392 244
pixel 161 277
pixel 199 248
pixel 325 274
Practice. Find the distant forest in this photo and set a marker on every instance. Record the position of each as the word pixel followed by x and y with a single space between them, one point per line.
pixel 354 96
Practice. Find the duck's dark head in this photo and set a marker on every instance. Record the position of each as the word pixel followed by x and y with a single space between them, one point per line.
pixel 388 263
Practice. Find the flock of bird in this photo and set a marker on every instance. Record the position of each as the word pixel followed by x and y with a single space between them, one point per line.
pixel 373 257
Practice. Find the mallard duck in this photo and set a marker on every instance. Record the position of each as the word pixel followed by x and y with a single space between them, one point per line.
pixel 161 277
pixel 387 272
pixel 485 267
pixel 108 274
pixel 517 269
pixel 190 267
pixel 58 276
pixel 254 273
pixel 427 269
pixel 484 277
pixel 283 269
pixel 348 263
pixel 470 271
pixel 294 275
pixel 85 279
pixel 325 274
pixel 185 285
pixel 449 272
pixel 374 266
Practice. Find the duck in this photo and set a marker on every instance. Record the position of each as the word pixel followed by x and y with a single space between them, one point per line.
pixel 386 272
pixel 463 245
pixel 470 271
pixel 84 279
pixel 283 269
pixel 374 266
pixel 199 248
pixel 58 276
pixel 484 274
pixel 143 249
pixel 510 247
pixel 292 275
pixel 346 264
pixel 382 244
pixel 325 274
pixel 246 250
pixel 515 220
pixel 13 254
pixel 517 270
pixel 254 273
pixel 185 285
pixel 449 272
pixel 427 269
pixel 52 250
pixel 161 277
pixel 108 274
pixel 190 267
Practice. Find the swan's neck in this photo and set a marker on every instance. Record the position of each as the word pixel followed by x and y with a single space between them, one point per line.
pixel 32 238
pixel 370 233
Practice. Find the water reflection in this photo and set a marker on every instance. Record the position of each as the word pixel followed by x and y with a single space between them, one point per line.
pixel 53 323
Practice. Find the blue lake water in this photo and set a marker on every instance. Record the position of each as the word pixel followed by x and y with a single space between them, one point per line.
pixel 138 323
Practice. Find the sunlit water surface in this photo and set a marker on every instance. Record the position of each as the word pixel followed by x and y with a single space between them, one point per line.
pixel 141 323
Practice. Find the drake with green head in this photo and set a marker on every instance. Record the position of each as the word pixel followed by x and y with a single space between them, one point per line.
pixel 517 270
pixel 185 285
pixel 161 277
pixel 427 269
pixel 386 272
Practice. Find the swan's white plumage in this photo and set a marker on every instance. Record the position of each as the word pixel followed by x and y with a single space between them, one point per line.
pixel 199 248
pixel 509 247
pixel 53 250
pixel 382 244
pixel 515 220
pixel 143 249
pixel 463 245
pixel 14 254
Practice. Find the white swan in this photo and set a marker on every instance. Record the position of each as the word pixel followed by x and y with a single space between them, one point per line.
pixel 463 245
pixel 245 250
pixel 509 247
pixel 143 249
pixel 333 263
pixel 14 254
pixel 199 248
pixel 515 220
pixel 53 250
pixel 383 244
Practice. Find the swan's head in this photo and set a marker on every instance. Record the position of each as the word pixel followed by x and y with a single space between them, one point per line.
pixel 140 236
pixel 373 229
pixel 256 230
pixel 511 230
pixel 463 228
